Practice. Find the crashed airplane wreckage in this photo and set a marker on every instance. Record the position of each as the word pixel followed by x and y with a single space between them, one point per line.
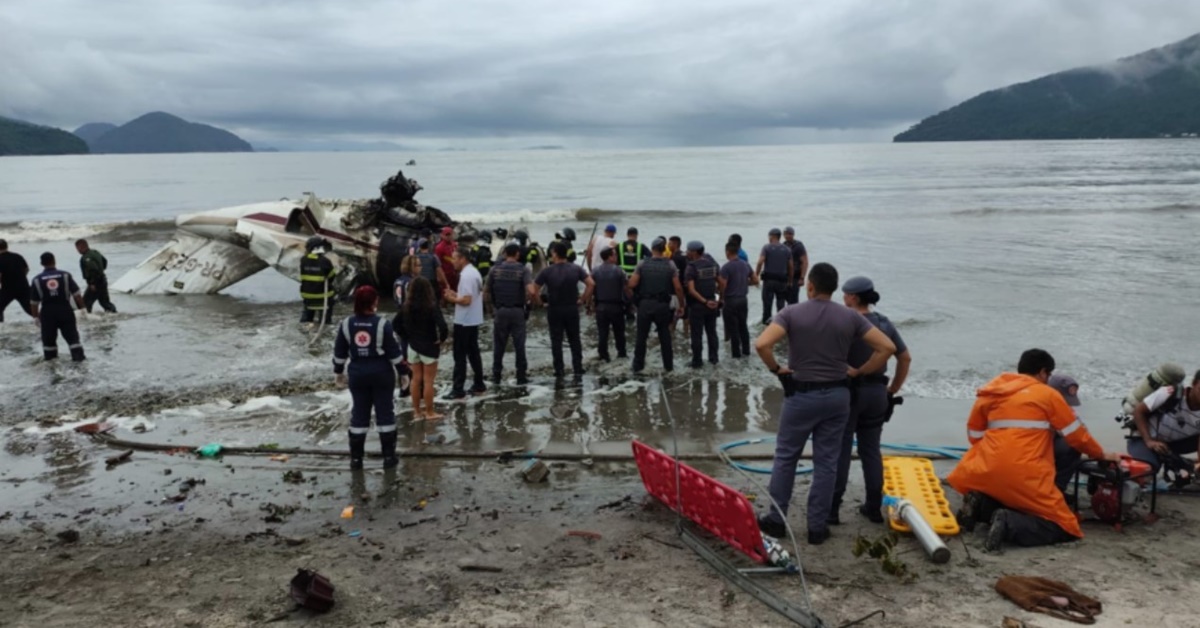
pixel 213 250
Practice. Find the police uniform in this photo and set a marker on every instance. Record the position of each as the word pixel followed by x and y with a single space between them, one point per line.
pixel 508 286
pixel 774 279
pixel 561 281
pixel 316 273
pixel 654 291
pixel 370 347
pixel 52 290
pixel 702 272
pixel 610 306
pixel 631 254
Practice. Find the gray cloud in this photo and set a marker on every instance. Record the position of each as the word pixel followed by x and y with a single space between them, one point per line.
pixel 487 74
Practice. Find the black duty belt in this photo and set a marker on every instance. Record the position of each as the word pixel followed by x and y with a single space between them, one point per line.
pixel 510 307
pixel 872 379
pixel 793 387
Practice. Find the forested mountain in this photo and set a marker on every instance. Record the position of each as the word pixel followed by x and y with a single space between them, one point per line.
pixel 24 138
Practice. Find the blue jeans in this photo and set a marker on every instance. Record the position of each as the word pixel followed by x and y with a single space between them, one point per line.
pixel 821 414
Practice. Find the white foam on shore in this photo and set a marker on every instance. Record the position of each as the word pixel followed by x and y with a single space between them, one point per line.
pixel 518 216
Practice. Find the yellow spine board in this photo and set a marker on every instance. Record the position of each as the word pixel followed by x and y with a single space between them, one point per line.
pixel 914 479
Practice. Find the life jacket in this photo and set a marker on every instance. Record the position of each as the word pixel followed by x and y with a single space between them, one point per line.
pixel 1011 459
pixel 631 256
pixel 1167 422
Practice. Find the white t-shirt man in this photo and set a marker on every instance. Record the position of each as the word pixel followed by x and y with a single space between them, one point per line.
pixel 470 283
pixel 600 242
pixel 1182 422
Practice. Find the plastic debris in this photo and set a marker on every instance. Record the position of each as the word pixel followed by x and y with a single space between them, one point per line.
pixel 211 450
pixel 94 428
pixel 355 533
pixel 348 512
pixel 279 458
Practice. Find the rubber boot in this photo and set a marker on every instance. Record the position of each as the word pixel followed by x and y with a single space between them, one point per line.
pixel 387 445
pixel 358 446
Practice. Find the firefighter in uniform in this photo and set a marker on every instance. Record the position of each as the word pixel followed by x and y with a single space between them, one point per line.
pixel 316 275
pixel 529 251
pixel 51 293
pixel 367 342
pixel 481 254
pixel 632 252
pixel 611 297
pixel 704 306
pixel 654 282
pixel 567 237
pixel 508 288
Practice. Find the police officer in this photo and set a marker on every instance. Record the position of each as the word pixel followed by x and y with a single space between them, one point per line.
pixel 611 297
pixel 734 281
pixel 561 280
pixel 632 252
pixel 509 287
pixel 51 293
pixel 704 304
pixel 816 401
pixel 481 251
pixel 775 268
pixel 567 237
pixel 799 264
pixel 654 282
pixel 869 402
pixel 367 342
pixel 316 273
pixel 92 266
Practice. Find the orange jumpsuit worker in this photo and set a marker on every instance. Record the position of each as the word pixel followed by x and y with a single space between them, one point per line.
pixel 1007 476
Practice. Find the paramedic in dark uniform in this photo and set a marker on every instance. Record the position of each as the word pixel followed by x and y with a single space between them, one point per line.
pixel 654 282
pixel 509 287
pixel 775 268
pixel 704 306
pixel 367 342
pixel 13 283
pixel 561 280
pixel 819 335
pixel 50 297
pixel 611 296
pixel 316 273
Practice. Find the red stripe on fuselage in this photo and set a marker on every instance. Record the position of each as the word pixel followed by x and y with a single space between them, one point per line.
pixel 280 220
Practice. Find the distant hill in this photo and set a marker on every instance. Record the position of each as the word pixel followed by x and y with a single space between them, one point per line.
pixel 92 131
pixel 160 132
pixel 1152 94
pixel 24 138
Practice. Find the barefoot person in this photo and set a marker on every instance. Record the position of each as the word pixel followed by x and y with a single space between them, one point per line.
pixel 365 340
pixel 421 327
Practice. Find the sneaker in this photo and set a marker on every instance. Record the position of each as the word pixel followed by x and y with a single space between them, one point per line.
pixel 771 528
pixel 817 537
pixel 996 533
pixel 968 515
pixel 455 395
pixel 872 514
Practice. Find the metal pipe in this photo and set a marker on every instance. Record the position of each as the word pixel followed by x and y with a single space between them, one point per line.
pixel 905 511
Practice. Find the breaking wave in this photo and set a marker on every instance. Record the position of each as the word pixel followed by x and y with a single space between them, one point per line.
pixel 580 214
pixel 57 231
pixel 982 212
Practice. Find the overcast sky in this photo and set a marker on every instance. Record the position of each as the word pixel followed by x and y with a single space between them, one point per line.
pixel 484 74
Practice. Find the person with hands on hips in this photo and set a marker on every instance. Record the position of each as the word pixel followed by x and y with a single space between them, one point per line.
pixel 366 343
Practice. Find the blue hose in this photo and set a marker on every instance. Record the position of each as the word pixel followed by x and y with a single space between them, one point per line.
pixel 954 453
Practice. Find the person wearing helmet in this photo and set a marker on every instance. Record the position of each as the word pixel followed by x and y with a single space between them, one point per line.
pixel 316 277
pixel 567 238
pixel 481 253
pixel 606 240
pixel 529 252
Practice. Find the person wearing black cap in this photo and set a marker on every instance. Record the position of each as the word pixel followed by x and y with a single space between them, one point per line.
pixel 704 303
pixel 611 296
pixel 509 287
pixel 734 282
pixel 51 293
pixel 871 396
pixel 13 285
pixel 561 280
pixel 799 264
pixel 632 252
pixel 1066 458
pixel 654 282
pixel 776 269
pixel 816 403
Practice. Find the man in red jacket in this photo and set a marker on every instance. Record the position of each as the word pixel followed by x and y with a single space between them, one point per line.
pixel 445 252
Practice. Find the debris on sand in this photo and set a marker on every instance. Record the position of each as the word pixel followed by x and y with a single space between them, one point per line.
pixel 293 477
pixel 276 513
pixel 118 459
pixel 535 471
pixel 68 536
pixel 585 534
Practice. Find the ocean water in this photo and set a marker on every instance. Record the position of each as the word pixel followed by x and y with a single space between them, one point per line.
pixel 980 250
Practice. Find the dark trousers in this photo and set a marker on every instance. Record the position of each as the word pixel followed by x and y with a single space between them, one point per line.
pixel 658 314
pixel 466 348
pixel 1023 529
pixel 509 323
pixel 564 320
pixel 821 414
pixel 58 319
pixel 793 292
pixel 1066 460
pixel 1139 451
pixel 774 297
pixel 867 411
pixel 20 294
pixel 98 292
pixel 373 386
pixel 735 313
pixel 312 312
pixel 611 317
pixel 704 323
